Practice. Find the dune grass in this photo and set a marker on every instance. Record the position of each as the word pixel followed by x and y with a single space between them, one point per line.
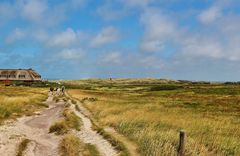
pixel 17 101
pixel 92 150
pixel 22 147
pixel 70 121
pixel 59 128
pixel 72 146
pixel 152 115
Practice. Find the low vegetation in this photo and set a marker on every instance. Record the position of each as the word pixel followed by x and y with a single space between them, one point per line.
pixel 118 145
pixel 70 121
pixel 22 147
pixel 92 150
pixel 56 98
pixel 71 146
pixel 152 113
pixel 17 101
pixel 59 128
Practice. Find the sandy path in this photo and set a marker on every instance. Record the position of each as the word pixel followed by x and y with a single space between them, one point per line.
pixel 34 128
pixel 89 136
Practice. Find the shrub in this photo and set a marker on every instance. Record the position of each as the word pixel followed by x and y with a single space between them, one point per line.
pixel 165 87
pixel 74 101
pixel 59 128
pixel 22 147
pixel 71 146
pixel 93 150
pixel 72 120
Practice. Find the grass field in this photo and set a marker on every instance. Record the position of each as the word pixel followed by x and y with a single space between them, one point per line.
pixel 152 112
pixel 17 101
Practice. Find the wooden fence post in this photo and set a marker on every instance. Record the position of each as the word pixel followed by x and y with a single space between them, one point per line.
pixel 181 149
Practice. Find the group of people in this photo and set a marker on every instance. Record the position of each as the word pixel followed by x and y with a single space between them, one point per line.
pixel 57 90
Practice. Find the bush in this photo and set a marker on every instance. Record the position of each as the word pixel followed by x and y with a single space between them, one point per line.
pixel 71 119
pixel 74 101
pixel 91 99
pixel 59 128
pixel 71 146
pixel 22 147
pixel 165 87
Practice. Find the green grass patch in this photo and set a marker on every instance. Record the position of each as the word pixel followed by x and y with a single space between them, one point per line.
pixel 92 150
pixel 165 87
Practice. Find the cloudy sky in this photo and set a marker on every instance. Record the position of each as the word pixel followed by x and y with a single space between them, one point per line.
pixel 73 39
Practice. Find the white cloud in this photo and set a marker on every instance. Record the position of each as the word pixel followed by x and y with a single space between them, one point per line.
pixel 72 54
pixel 40 35
pixel 137 3
pixel 41 12
pixel 151 62
pixel 68 38
pixel 106 36
pixel 152 46
pixel 110 11
pixel 203 47
pixel 64 39
pixel 33 10
pixel 157 25
pixel 17 34
pixel 158 29
pixel 113 57
pixel 222 43
pixel 210 15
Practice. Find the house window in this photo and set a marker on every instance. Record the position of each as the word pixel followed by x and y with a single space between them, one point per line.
pixel 21 76
pixel 4 76
pixel 12 76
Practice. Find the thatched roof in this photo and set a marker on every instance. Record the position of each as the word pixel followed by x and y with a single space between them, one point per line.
pixel 19 74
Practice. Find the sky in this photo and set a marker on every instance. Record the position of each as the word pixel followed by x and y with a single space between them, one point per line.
pixel 75 39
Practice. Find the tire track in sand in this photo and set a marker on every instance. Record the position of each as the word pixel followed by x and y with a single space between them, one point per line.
pixel 90 136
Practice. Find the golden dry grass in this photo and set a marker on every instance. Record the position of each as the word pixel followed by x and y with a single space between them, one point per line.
pixel 17 101
pixel 72 146
pixel 210 114
pixel 70 121
pixel 59 127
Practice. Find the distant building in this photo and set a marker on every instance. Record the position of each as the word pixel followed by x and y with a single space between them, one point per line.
pixel 27 75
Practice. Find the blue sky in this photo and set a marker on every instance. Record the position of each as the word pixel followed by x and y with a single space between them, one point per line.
pixel 73 39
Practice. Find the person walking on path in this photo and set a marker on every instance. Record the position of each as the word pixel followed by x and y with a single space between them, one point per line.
pixel 63 90
pixel 51 90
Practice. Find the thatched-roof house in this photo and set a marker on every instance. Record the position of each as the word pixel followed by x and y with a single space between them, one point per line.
pixel 28 75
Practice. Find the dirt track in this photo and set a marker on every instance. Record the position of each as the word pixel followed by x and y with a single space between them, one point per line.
pixel 36 128
pixel 89 136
